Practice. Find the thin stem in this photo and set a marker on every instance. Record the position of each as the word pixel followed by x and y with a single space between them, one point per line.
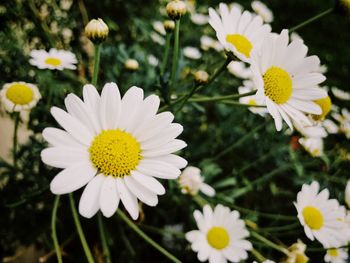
pixel 227 97
pixel 257 255
pixel 175 53
pixel 269 243
pixel 166 53
pixel 83 12
pixel 53 229
pixel 15 138
pixel 147 238
pixel 101 228
pixel 84 243
pixel 96 63
pixel 312 19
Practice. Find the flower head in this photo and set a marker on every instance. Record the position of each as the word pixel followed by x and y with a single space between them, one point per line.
pixel 297 253
pixel 169 25
pixel 96 30
pixel 201 77
pixel 336 255
pixel 221 235
pixel 18 96
pixel 262 10
pixel 176 9
pixel 54 59
pixel 192 182
pixel 131 64
pixel 192 53
pixel 115 146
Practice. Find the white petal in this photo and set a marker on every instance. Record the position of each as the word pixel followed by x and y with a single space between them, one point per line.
pixel 312 93
pixel 62 157
pixel 158 169
pixel 58 137
pixel 305 106
pixel 274 113
pixel 110 106
pixel 171 147
pixel 173 159
pixel 141 192
pixel 149 182
pixel 91 97
pixel 128 199
pixel 207 189
pixel 109 197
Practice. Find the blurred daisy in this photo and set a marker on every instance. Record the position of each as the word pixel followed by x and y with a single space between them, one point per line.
pixel 239 69
pixel 239 33
pixel 286 80
pixel 314 131
pixel 191 182
pixel 152 60
pixel 18 96
pixel 156 38
pixel 208 42
pixel 297 253
pixel 330 126
pixel 336 255
pixel 321 217
pixel 251 100
pixel 114 145
pixel 347 194
pixel 159 27
pixel 54 59
pixel 199 19
pixel 192 53
pixel 340 94
pixel 344 121
pixel 262 10
pixel 221 235
pixel 313 145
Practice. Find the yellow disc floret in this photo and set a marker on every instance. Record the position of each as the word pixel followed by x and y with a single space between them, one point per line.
pixel 218 237
pixel 19 94
pixel 53 62
pixel 326 105
pixel 333 252
pixel 241 43
pixel 115 152
pixel 313 217
pixel 277 85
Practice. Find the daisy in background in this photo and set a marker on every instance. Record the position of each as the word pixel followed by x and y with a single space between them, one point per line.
pixel 54 59
pixel 208 43
pixel 192 53
pixel 239 69
pixel 313 145
pixel 286 80
pixel 19 96
pixel 239 33
pixel 344 121
pixel 262 10
pixel 336 255
pixel 322 218
pixel 115 146
pixel 191 182
pixel 297 253
pixel 340 94
pixel 251 100
pixel 221 235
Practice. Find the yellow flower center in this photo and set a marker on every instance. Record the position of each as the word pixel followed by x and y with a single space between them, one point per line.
pixel 277 85
pixel 241 43
pixel 326 105
pixel 301 258
pixel 313 217
pixel 115 152
pixel 252 102
pixel 20 94
pixel 333 252
pixel 53 62
pixel 218 237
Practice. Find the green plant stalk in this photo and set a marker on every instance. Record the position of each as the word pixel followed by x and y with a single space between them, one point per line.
pixel 257 255
pixel 269 243
pixel 15 138
pixel 200 200
pixel 53 229
pixel 96 64
pixel 227 97
pixel 166 53
pixel 175 53
pixel 312 19
pixel 105 249
pixel 150 241
pixel 80 231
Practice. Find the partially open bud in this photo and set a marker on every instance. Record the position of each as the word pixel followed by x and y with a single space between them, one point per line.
pixel 201 77
pixel 96 30
pixel 169 25
pixel 343 7
pixel 176 9
pixel 131 64
pixel 325 105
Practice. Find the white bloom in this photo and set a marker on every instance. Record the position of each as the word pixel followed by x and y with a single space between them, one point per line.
pixel 286 80
pixel 297 253
pixel 321 217
pixel 262 10
pixel 314 131
pixel 18 96
pixel 221 235
pixel 152 60
pixel 208 42
pixel 340 94
pixel 336 255
pixel 159 27
pixel 251 100
pixel 115 146
pixel 347 194
pixel 240 33
pixel 330 126
pixel 54 59
pixel 344 121
pixel 313 145
pixel 192 182
pixel 156 38
pixel 192 53
pixel 199 19
pixel 239 69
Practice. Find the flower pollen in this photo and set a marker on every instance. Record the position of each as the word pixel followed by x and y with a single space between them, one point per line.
pixel 277 85
pixel 218 237
pixel 241 43
pixel 313 217
pixel 20 94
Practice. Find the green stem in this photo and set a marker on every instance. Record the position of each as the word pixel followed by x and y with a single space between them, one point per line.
pixel 175 53
pixel 269 243
pixel 163 232
pixel 96 64
pixel 166 54
pixel 147 238
pixel 101 228
pixel 312 19
pixel 15 138
pixel 84 243
pixel 227 97
pixel 258 256
pixel 53 229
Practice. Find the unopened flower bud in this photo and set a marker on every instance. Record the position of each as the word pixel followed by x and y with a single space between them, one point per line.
pixel 176 9
pixel 169 25
pixel 201 77
pixel 131 64
pixel 96 30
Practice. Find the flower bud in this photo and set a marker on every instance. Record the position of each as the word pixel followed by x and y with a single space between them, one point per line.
pixel 96 30
pixel 131 64
pixel 169 25
pixel 201 77
pixel 176 9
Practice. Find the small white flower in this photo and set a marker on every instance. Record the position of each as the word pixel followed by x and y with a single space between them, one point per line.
pixel 192 182
pixel 322 218
pixel 199 19
pixel 221 235
pixel 347 194
pixel 54 59
pixel 262 10
pixel 18 96
pixel 192 53
pixel 159 27
pixel 313 145
pixel 340 94
pixel 336 255
pixel 239 69
pixel 297 253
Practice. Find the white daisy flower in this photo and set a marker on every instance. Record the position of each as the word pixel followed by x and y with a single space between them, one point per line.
pixel 54 59
pixel 239 69
pixel 115 146
pixel 286 80
pixel 18 96
pixel 191 182
pixel 344 121
pixel 221 235
pixel 251 100
pixel 322 218
pixel 238 32
pixel 262 10
pixel 192 53
pixel 347 194
pixel 336 255
pixel 340 94
pixel 297 253
pixel 199 19
pixel 313 145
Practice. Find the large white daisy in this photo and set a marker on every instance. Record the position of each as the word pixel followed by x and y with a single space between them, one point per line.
pixel 54 59
pixel 321 217
pixel 238 32
pixel 221 235
pixel 287 80
pixel 114 145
